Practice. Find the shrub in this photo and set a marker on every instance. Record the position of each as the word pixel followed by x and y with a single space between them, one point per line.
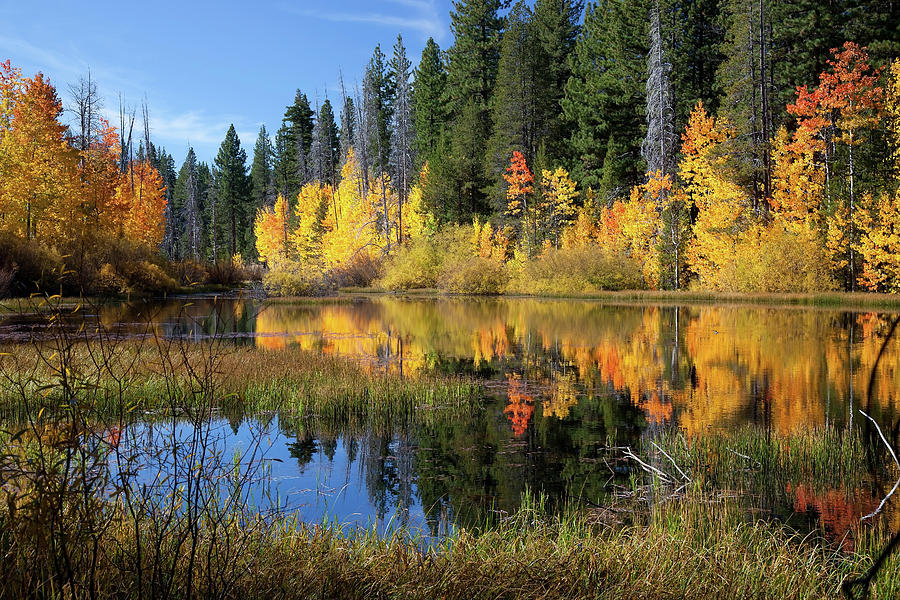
pixel 474 275
pixel 359 271
pixel 581 270
pixel 772 259
pixel 188 272
pixel 417 265
pixel 225 272
pixel 294 279
pixel 7 275
pixel 253 272
pixel 133 278
pixel 28 267
pixel 421 262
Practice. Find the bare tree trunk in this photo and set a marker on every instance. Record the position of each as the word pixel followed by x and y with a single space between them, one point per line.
pixel 764 100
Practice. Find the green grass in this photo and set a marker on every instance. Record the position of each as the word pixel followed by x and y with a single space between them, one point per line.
pixel 137 378
pixel 753 460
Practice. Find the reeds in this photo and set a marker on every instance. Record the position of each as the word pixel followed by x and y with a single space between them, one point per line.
pixel 147 378
pixel 691 550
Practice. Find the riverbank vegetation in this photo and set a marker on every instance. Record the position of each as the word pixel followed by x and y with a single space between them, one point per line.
pixel 687 550
pixel 553 149
pixel 173 378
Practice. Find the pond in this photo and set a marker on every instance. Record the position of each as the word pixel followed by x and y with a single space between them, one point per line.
pixel 565 380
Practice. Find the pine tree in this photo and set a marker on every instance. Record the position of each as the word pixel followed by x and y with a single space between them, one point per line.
pixel 515 101
pixel 164 164
pixel 555 25
pixel 471 72
pixel 696 34
pixel 348 127
pixel 295 139
pixel 234 211
pixel 323 154
pixel 261 178
pixel 190 207
pixel 402 134
pixel 605 96
pixel 803 34
pixel 378 91
pixel 206 192
pixel 429 102
pixel 744 82
pixel 281 168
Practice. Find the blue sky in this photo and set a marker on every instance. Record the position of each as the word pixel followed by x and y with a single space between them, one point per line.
pixel 204 65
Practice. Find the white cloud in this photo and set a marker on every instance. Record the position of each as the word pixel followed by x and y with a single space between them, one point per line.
pixel 64 66
pixel 170 129
pixel 424 20
pixel 191 128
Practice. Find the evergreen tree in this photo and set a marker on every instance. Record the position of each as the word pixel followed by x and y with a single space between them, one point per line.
pixel 605 96
pixel 293 142
pixel 280 172
pixel 471 72
pixel 429 103
pixel 744 83
pixel 262 187
pixel 165 166
pixel 207 194
pixel 803 34
pixel 378 91
pixel 555 26
pixel 514 109
pixel 234 211
pixel 402 135
pixel 876 25
pixel 323 154
pixel 695 30
pixel 348 128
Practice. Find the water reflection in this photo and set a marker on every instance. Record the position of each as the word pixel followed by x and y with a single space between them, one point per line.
pixel 565 380
pixel 699 367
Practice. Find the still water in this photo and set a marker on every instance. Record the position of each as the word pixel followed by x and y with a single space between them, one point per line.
pixel 564 380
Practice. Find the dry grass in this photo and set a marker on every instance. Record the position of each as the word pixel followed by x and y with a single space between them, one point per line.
pixel 689 550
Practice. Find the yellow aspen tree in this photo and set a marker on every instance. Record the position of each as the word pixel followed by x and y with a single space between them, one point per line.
pixel 798 181
pixel 641 224
pixel 313 221
pixel 271 228
pixel 720 203
pixel 557 205
pixel 583 232
pixel 879 243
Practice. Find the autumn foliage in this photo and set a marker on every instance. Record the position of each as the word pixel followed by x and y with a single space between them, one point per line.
pixel 63 198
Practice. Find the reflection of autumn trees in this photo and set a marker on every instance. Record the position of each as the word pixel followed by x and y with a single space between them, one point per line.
pixel 704 367
pixel 837 513
pixel 520 407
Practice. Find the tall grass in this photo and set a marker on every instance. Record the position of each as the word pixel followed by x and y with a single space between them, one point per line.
pixel 689 550
pixel 152 377
pixel 750 459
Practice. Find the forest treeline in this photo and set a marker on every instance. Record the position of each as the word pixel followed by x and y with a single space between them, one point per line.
pixel 743 145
